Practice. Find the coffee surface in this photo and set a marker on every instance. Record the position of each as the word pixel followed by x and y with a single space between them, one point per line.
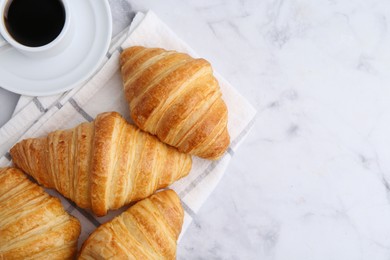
pixel 35 23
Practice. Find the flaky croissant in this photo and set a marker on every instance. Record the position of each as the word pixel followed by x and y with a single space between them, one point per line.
pixel 147 230
pixel 177 98
pixel 103 164
pixel 33 224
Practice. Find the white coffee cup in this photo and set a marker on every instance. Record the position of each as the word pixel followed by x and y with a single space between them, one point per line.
pixel 52 48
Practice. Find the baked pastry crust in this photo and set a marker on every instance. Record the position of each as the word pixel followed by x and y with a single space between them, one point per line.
pixel 103 164
pixel 33 224
pixel 147 230
pixel 177 98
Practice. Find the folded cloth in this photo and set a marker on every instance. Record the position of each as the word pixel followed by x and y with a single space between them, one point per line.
pixel 104 93
pixel 42 103
pixel 29 109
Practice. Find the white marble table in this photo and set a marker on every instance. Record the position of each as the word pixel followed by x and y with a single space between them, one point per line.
pixel 312 180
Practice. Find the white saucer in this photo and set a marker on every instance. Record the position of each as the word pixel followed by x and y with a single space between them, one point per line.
pixel 47 76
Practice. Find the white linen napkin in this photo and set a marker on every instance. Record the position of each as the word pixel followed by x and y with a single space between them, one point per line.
pixel 104 93
pixel 29 109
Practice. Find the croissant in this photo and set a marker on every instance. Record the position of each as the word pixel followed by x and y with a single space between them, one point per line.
pixel 177 98
pixel 33 225
pixel 147 230
pixel 103 164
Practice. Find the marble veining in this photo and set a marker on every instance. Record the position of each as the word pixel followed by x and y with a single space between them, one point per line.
pixel 312 179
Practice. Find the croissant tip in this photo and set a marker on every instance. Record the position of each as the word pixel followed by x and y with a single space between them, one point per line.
pixel 108 114
pixel 16 192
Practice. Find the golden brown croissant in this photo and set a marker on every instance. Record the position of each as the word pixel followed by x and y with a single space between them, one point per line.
pixel 33 224
pixel 147 230
pixel 101 165
pixel 177 98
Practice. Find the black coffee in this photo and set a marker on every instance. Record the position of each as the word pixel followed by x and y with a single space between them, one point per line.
pixel 35 23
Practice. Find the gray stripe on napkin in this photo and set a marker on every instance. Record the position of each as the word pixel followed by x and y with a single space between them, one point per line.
pixel 8 156
pixel 117 49
pixel 39 105
pixel 70 209
pixel 59 105
pixel 188 209
pixel 80 110
pixel 84 213
pixel 198 179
